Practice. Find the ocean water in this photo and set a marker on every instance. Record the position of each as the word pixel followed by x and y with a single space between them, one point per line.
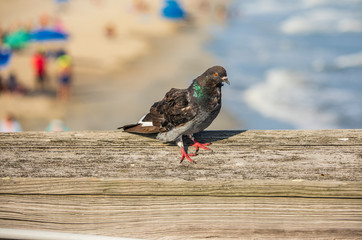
pixel 292 64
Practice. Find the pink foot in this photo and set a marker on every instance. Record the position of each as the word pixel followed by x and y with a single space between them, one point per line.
pixel 185 155
pixel 198 145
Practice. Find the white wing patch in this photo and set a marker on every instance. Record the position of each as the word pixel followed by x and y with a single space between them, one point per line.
pixel 145 124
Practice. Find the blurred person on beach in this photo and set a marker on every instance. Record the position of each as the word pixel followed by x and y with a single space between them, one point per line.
pixel 141 6
pixel 142 10
pixel 3 34
pixel 59 25
pixel 13 86
pixel 64 75
pixel 10 124
pixel 44 20
pixel 204 7
pixel 110 31
pixel 39 66
pixel 221 12
pixel 2 85
pixel 57 125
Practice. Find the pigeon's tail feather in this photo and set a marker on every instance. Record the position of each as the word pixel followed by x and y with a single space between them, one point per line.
pixel 144 125
pixel 138 128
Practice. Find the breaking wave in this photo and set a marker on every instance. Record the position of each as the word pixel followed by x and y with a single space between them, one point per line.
pixel 294 64
pixel 348 61
pixel 291 97
pixel 323 21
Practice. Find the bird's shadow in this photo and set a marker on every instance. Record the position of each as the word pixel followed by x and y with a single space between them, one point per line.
pixel 202 137
pixel 216 135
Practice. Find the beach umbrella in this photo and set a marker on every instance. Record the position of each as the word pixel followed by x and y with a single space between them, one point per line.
pixel 172 10
pixel 46 35
pixel 17 40
pixel 5 56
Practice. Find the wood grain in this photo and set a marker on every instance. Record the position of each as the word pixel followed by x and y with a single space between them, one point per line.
pixel 168 187
pixel 186 217
pixel 254 184
pixel 245 155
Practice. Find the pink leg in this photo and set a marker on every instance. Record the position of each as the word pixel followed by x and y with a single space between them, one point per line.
pixel 185 155
pixel 183 152
pixel 198 145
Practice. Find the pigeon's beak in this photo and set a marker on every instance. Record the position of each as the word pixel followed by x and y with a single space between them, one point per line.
pixel 225 79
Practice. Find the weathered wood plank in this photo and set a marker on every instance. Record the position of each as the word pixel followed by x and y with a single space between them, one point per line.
pixel 255 184
pixel 188 217
pixel 315 155
pixel 167 187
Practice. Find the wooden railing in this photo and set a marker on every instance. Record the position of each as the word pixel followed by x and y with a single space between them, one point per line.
pixel 253 184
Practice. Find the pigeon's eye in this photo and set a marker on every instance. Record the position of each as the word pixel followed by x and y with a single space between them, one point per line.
pixel 216 74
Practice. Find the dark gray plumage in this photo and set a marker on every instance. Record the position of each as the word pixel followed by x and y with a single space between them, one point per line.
pixel 185 111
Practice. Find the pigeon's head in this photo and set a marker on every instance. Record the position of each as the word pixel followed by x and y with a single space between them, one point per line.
pixel 217 75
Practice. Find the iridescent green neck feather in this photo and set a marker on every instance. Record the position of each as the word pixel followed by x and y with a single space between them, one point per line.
pixel 198 91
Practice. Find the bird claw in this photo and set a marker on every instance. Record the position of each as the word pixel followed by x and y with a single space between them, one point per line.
pixel 198 145
pixel 187 156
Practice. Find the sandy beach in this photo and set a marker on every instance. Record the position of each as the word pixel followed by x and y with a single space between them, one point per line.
pixel 116 79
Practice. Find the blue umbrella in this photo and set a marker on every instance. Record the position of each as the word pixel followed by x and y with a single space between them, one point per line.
pixel 172 10
pixel 5 56
pixel 45 35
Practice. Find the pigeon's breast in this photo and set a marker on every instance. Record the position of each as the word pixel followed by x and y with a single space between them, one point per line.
pixel 202 120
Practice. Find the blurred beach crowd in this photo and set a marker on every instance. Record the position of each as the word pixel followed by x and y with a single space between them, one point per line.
pixel 101 64
pixel 15 40
pixel 53 51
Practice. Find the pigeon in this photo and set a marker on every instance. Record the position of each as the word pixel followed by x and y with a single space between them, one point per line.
pixel 183 112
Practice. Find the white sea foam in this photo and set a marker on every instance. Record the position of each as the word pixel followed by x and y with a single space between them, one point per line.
pixel 258 7
pixel 315 3
pixel 340 62
pixel 323 20
pixel 288 96
pixel 350 60
pixel 328 97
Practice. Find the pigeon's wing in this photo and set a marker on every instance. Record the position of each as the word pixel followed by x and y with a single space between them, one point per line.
pixel 172 111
